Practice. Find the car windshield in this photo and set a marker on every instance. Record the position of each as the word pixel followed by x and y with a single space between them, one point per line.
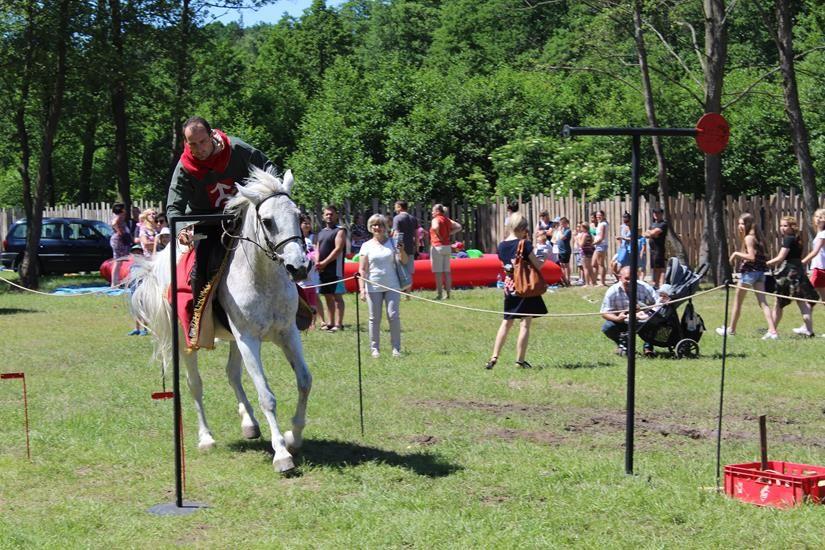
pixel 104 228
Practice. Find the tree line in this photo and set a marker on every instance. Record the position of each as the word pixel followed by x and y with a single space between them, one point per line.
pixel 427 100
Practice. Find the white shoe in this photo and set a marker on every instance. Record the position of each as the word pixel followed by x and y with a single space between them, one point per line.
pixel 396 353
pixel 721 331
pixel 770 336
pixel 375 354
pixel 802 331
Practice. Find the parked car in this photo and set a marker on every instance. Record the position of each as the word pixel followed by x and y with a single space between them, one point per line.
pixel 67 245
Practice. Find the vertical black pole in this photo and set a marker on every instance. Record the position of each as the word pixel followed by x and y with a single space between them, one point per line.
pixel 722 387
pixel 631 315
pixel 175 363
pixel 763 442
pixel 358 347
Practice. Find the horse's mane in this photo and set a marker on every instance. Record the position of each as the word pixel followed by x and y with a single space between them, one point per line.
pixel 258 185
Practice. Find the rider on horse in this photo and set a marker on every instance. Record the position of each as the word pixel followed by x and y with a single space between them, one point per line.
pixel 202 183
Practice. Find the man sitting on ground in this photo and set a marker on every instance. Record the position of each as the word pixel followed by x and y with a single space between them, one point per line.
pixel 614 310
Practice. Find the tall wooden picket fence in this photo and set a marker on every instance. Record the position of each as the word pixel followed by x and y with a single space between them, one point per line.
pixel 483 225
pixel 687 215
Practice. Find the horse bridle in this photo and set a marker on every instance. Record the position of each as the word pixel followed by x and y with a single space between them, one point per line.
pixel 271 250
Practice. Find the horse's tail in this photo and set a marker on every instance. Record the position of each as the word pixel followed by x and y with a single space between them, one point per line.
pixel 150 279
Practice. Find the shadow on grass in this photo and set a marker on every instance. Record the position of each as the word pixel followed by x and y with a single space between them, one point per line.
pixel 584 365
pixel 344 454
pixel 14 310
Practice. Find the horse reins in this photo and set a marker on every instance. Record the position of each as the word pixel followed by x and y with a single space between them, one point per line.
pixel 271 250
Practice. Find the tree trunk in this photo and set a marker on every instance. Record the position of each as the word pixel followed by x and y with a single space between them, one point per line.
pixel 84 192
pixel 51 192
pixel 30 268
pixel 783 37
pixel 716 45
pixel 183 76
pixel 673 240
pixel 20 117
pixel 119 110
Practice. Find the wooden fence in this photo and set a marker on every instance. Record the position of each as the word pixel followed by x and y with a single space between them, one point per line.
pixel 483 225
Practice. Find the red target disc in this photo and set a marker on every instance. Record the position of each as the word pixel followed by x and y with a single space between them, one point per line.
pixel 712 133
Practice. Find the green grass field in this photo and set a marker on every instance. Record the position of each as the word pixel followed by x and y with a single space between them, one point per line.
pixel 453 455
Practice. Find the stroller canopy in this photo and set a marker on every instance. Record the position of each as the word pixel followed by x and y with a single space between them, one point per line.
pixel 682 279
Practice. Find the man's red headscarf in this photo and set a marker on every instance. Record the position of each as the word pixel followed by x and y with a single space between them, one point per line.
pixel 217 162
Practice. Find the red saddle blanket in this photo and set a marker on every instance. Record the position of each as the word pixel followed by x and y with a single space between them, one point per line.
pixel 188 310
pixel 196 316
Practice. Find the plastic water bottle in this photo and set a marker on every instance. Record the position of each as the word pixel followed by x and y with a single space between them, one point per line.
pixel 499 281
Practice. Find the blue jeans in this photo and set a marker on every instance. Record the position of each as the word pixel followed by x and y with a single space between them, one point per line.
pixel 618 333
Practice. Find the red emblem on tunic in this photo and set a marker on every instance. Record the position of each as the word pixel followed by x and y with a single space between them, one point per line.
pixel 221 192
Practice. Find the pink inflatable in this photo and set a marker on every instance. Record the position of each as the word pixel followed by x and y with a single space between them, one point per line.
pixel 466 272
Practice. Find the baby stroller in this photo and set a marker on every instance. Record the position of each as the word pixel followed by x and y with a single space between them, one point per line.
pixel 664 328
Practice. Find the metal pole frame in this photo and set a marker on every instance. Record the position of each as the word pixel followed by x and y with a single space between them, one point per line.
pixel 177 417
pixel 635 133
pixel 358 348
pixel 722 388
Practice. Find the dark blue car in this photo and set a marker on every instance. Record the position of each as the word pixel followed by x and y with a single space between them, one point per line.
pixel 67 245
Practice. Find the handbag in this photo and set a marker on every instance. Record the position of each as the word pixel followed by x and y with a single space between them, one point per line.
pixel 404 277
pixel 527 280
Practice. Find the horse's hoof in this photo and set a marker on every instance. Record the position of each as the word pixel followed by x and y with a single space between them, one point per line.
pixel 251 432
pixel 284 465
pixel 206 443
pixel 292 444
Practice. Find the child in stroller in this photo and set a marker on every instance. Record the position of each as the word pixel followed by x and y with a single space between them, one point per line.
pixel 663 328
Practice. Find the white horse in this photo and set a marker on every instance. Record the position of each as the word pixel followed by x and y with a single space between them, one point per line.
pixel 258 294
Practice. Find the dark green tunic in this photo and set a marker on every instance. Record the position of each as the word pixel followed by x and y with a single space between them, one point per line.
pixel 188 195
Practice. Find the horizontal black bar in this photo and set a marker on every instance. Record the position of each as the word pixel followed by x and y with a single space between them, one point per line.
pixel 569 131
pixel 200 217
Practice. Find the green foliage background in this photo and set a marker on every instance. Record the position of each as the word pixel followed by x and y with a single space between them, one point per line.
pixel 422 100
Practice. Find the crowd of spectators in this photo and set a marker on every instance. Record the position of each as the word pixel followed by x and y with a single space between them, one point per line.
pixel 392 237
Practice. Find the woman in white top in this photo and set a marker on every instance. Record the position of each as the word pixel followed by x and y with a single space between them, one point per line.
pixel 379 256
pixel 817 259
pixel 600 252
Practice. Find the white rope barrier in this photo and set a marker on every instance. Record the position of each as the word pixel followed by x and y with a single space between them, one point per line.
pixel 549 315
pixel 748 289
pixel 330 283
pixel 90 293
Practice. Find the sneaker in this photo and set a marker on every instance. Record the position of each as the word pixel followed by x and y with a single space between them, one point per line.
pixel 396 353
pixel 134 332
pixel 621 351
pixel 721 331
pixel 770 336
pixel 802 331
pixel 375 354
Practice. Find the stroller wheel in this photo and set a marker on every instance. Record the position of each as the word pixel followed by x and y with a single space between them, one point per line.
pixel 687 348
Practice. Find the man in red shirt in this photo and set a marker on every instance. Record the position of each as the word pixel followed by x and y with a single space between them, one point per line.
pixel 442 229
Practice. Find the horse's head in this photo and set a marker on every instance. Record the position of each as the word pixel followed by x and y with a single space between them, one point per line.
pixel 277 230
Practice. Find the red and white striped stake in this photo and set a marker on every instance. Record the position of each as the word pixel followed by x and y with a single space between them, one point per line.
pixel 157 396
pixel 22 376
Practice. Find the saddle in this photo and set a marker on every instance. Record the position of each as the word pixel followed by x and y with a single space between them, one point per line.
pixel 201 315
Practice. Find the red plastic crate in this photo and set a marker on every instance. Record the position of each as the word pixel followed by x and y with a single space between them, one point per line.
pixel 782 485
